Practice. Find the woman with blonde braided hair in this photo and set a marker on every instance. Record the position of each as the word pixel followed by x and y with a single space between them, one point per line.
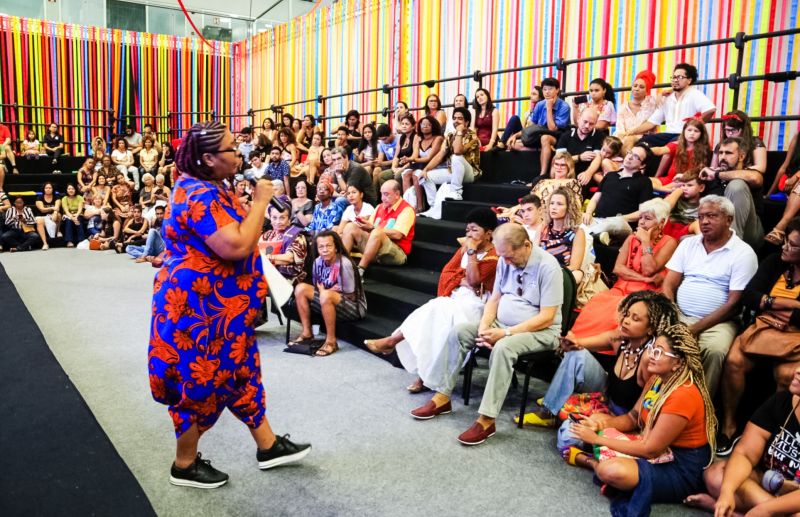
pixel 203 356
pixel 673 428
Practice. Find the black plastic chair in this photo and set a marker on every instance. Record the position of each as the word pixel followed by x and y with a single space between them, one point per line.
pixel 528 363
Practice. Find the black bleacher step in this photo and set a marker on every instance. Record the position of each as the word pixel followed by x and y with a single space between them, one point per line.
pixel 385 299
pixel 428 255
pixel 507 166
pixel 371 327
pixel 453 210
pixel 437 231
pixel 500 194
pixel 418 279
pixel 44 165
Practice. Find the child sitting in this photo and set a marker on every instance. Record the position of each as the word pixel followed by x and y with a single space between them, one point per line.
pixel 685 202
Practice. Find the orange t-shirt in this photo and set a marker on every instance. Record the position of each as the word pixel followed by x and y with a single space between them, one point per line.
pixel 687 402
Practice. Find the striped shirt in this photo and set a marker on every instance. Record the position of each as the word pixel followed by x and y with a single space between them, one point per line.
pixel 709 277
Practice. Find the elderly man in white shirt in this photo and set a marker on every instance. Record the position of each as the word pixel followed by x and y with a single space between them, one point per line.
pixel 683 102
pixel 705 277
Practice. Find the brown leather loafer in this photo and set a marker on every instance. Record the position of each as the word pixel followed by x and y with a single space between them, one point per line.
pixel 430 410
pixel 476 434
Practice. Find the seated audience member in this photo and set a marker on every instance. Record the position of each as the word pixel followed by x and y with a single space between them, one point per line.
pixel 341 140
pixel 166 165
pixel 110 231
pixel 93 217
pixel 268 129
pixel 122 158
pixel 487 119
pixel 529 215
pixel 72 208
pixel 258 169
pixel 791 170
pixel 357 209
pixel 639 267
pixel 760 478
pixel 602 100
pixel 682 102
pixel 154 244
pixel 742 187
pixel 737 124
pixel 464 285
pixel 686 156
pixel 102 190
pixel 684 203
pixel 86 178
pixel 99 147
pixel 386 237
pixel 303 136
pixel 562 174
pixel 352 125
pixel 30 148
pixel 400 109
pixel 562 236
pixel 348 172
pixel 515 124
pixel 583 143
pixel 287 120
pixel 290 259
pixel 133 139
pixel 367 150
pixel 147 132
pixel 774 294
pixel 459 101
pixel 302 207
pixel 672 427
pixel 635 323
pixel 276 168
pixel 522 315
pixel 48 214
pixel 616 202
pixel 705 277
pixel 146 200
pixel 387 148
pixel 403 152
pixel 551 118
pixel 53 144
pixel 327 213
pixel 287 144
pixel 19 229
pixel 427 144
pixel 107 169
pixel 246 146
pixel 242 191
pixel 122 198
pixel 336 292
pixel 787 175
pixel 609 158
pixel 433 108
pixel 134 230
pixel 148 157
pixel 458 162
pixel 162 192
pixel 637 110
pixel 297 125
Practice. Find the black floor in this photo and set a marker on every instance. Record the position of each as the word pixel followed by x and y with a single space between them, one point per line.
pixel 54 457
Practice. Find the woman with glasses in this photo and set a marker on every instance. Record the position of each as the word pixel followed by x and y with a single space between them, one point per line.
pixel 203 356
pixel 774 295
pixel 737 124
pixel 610 365
pixel 562 175
pixel 656 452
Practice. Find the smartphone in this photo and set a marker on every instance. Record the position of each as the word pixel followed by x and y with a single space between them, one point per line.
pixel 581 99
pixel 576 417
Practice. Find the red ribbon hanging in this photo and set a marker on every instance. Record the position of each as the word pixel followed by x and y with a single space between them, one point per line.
pixel 191 22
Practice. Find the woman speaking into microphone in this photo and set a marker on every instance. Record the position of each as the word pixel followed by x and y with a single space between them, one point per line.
pixel 203 355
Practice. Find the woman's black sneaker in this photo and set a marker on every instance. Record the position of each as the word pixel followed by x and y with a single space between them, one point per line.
pixel 725 445
pixel 282 452
pixel 199 474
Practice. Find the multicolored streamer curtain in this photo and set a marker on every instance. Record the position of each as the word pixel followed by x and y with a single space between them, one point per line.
pixel 139 77
pixel 360 44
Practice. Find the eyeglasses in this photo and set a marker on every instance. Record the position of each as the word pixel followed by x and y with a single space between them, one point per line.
pixel 520 286
pixel 225 151
pixel 679 77
pixel 789 246
pixel 656 353
pixel 634 155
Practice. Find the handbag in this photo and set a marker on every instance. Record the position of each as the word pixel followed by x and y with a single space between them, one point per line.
pixel 584 404
pixel 531 133
pixel 305 348
pixel 591 284
pixel 602 453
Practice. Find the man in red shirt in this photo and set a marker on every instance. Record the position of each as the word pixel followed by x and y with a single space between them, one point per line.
pixel 6 151
pixel 387 235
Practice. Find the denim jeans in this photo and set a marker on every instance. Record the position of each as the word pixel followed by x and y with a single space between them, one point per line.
pixel 514 125
pixel 153 246
pixel 73 232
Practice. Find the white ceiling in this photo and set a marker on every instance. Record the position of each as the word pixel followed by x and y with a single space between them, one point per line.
pixel 283 11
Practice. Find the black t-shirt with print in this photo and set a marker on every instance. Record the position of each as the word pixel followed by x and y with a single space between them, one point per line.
pixel 783 448
pixel 575 146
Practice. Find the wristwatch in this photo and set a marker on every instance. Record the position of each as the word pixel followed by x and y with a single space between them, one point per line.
pixel 471 252
pixel 648 250
pixel 508 332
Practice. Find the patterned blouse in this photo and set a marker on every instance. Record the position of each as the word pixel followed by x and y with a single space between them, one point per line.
pixel 558 244
pixel 471 149
pixel 627 119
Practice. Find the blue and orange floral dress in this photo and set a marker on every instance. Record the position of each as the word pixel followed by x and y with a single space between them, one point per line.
pixel 203 355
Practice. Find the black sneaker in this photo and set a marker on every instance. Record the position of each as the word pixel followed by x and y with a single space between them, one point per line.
pixel 199 474
pixel 282 452
pixel 725 445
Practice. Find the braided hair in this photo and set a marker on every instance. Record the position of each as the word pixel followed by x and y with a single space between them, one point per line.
pixel 661 311
pixel 202 138
pixel 683 343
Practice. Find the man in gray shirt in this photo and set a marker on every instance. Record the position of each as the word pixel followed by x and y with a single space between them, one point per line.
pixel 522 315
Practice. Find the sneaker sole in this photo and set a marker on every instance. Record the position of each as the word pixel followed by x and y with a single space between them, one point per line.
pixel 195 484
pixel 417 417
pixel 730 450
pixel 474 443
pixel 264 465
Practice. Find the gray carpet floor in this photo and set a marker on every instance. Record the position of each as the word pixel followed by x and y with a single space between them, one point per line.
pixel 369 456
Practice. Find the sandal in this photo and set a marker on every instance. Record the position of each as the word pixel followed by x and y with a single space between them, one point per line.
pixel 327 349
pixel 535 420
pixel 775 237
pixel 417 386
pixel 370 344
pixel 300 340
pixel 572 454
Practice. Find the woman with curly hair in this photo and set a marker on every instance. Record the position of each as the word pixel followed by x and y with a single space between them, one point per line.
pixel 656 453
pixel 203 356
pixel 562 236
